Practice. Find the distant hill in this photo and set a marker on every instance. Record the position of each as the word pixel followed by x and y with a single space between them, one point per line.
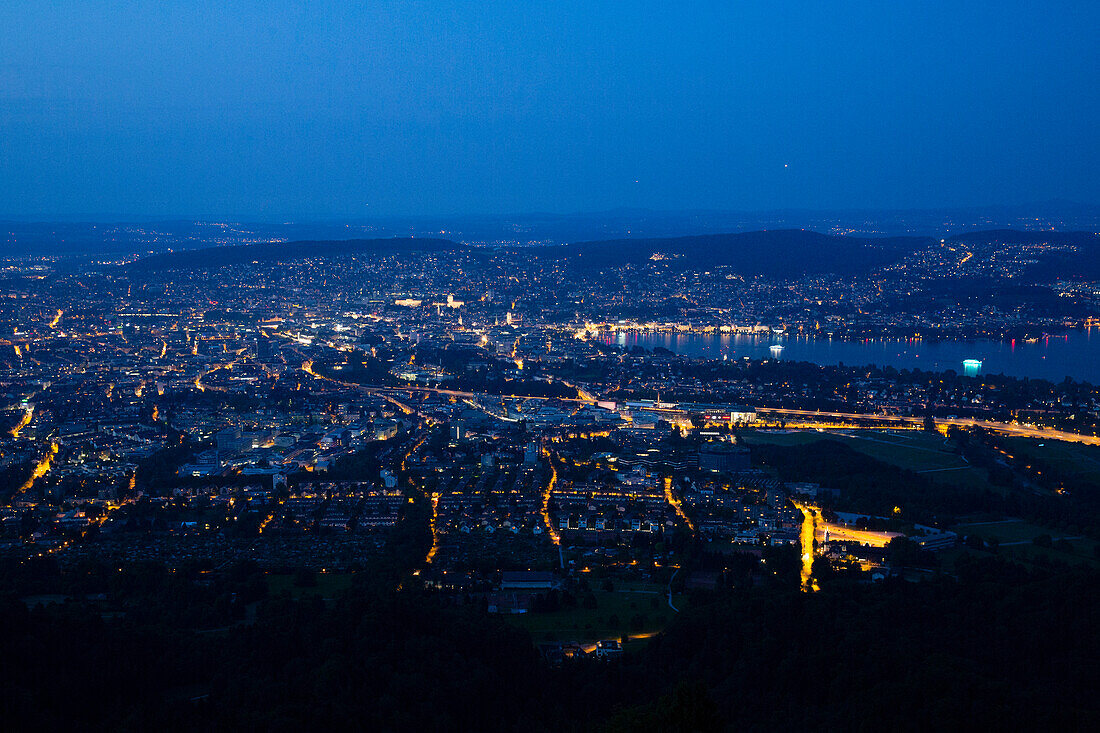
pixel 1081 263
pixel 773 253
pixel 777 253
pixel 215 257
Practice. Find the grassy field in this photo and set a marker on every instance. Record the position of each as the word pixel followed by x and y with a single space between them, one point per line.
pixel 926 454
pixel 1081 461
pixel 1015 537
pixel 1006 530
pixel 1084 551
pixel 914 450
pixel 615 616
pixel 329 585
pixel 633 608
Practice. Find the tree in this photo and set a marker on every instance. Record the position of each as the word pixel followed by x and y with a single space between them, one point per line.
pixel 822 569
pixel 929 423
pixel 688 709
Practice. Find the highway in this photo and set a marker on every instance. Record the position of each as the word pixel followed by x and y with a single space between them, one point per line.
pixel 1023 431
pixel 476 395
pixel 849 419
pixel 28 415
pixel 41 468
pixel 812 418
pixel 844 533
pixel 811 516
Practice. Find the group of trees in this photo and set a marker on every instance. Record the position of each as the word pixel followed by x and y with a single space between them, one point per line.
pixel 1000 646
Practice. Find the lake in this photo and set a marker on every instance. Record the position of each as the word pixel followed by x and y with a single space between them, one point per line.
pixel 1075 354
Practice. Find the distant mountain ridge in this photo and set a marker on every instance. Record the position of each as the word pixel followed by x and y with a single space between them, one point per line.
pixel 773 253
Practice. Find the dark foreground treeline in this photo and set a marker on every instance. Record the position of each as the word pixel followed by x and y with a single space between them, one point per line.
pixel 1000 647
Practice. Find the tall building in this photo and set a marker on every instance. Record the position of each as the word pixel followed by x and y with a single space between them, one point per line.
pixel 228 440
pixel 456 430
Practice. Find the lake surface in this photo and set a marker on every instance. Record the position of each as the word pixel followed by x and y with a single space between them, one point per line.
pixel 1075 354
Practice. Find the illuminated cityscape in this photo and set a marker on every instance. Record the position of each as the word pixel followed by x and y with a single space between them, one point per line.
pixel 796 426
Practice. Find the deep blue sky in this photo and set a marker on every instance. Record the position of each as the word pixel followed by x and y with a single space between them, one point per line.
pixel 351 109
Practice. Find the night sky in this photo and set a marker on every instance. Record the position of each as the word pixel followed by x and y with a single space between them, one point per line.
pixel 279 110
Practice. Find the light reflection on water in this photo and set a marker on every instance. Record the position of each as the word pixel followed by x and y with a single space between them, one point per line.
pixel 1075 354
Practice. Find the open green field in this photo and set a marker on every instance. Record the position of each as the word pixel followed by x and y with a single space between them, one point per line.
pixel 1081 462
pixel 616 615
pixel 1006 530
pixel 1015 537
pixel 1084 551
pixel 329 585
pixel 914 450
pixel 917 451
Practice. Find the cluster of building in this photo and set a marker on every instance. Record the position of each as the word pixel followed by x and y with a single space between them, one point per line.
pixel 181 401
